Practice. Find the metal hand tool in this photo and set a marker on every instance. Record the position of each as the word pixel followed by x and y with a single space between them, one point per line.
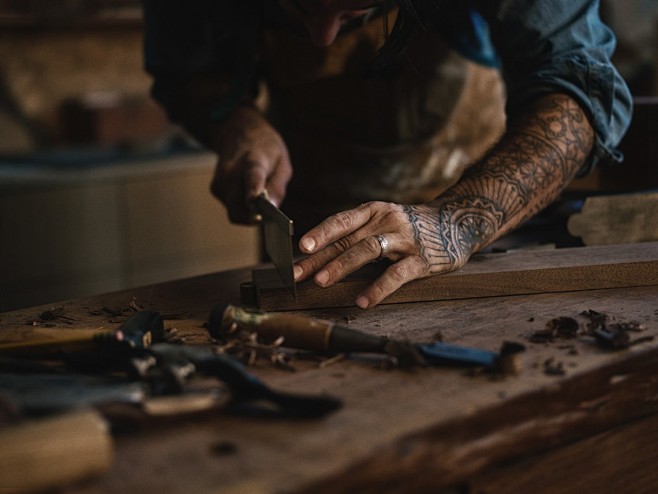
pixel 277 231
pixel 243 386
pixel 148 369
pixel 325 336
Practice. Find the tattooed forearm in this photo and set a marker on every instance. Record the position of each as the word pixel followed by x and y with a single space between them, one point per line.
pixel 539 155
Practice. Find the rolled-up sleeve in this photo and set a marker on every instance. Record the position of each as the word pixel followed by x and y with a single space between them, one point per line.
pixel 546 46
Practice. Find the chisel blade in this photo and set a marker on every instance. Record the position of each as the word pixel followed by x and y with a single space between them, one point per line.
pixel 277 231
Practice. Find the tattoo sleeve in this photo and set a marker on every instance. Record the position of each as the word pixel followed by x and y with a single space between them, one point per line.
pixel 537 157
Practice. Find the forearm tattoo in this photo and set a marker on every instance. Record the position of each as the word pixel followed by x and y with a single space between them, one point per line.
pixel 539 155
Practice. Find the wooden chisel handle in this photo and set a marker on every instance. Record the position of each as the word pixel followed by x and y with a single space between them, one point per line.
pixel 298 331
pixel 52 339
pixel 138 331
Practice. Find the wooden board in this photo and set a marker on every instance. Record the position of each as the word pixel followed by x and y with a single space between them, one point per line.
pixel 616 219
pixel 486 275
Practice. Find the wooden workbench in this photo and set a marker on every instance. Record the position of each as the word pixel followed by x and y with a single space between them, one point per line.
pixel 578 418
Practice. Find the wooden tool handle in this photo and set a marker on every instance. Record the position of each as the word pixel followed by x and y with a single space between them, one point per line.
pixel 139 331
pixel 298 331
pixel 47 340
pixel 54 452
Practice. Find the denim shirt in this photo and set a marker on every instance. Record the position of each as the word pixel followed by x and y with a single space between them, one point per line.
pixel 540 47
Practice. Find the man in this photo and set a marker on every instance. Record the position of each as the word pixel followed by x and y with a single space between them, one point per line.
pixel 391 131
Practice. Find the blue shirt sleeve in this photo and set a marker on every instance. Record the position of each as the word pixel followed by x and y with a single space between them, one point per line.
pixel 544 46
pixel 541 46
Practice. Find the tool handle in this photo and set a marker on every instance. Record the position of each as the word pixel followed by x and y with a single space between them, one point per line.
pixel 298 331
pixel 138 332
pixel 52 339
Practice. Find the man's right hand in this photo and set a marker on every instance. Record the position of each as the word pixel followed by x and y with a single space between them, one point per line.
pixel 252 159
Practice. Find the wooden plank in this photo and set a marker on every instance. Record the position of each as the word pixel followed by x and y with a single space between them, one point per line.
pixel 486 275
pixel 616 219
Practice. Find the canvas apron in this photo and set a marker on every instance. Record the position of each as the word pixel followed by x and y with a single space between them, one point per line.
pixel 355 137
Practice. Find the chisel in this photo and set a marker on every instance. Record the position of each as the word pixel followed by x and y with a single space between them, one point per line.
pixel 325 336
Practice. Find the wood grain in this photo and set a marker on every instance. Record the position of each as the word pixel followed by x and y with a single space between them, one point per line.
pixel 452 452
pixel 623 462
pixel 616 219
pixel 398 431
pixel 486 275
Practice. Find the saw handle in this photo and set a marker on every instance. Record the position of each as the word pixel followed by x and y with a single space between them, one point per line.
pixel 301 332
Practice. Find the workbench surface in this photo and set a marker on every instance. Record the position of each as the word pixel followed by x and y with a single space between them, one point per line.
pixel 576 418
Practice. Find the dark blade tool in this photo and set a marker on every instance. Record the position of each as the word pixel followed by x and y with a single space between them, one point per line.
pixel 245 387
pixel 277 231
pixel 324 336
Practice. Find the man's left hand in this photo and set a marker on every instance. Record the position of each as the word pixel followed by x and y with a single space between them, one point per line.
pixel 346 241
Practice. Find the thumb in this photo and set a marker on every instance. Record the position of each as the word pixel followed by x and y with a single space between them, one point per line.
pixel 255 176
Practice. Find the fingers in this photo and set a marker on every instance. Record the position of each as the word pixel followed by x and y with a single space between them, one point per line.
pixel 262 173
pixel 409 236
pixel 253 159
pixel 339 259
pixel 393 278
pixel 277 183
pixel 335 228
pixel 237 185
pixel 228 187
pixel 347 240
pixel 256 170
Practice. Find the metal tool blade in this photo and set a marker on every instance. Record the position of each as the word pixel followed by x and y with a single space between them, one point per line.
pixel 277 231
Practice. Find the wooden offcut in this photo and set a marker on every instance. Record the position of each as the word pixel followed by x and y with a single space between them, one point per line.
pixel 485 275
pixel 40 455
pixel 616 219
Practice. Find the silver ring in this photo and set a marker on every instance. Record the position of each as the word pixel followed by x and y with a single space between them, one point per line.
pixel 383 243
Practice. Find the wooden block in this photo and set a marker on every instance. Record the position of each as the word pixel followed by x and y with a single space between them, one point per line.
pixel 40 455
pixel 486 275
pixel 617 219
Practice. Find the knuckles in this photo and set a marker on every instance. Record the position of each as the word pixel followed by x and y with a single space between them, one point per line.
pixel 341 221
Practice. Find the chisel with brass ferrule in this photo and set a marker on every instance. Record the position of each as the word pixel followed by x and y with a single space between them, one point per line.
pixel 325 336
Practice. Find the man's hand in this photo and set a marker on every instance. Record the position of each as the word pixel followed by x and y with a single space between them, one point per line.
pixel 540 153
pixel 419 245
pixel 252 159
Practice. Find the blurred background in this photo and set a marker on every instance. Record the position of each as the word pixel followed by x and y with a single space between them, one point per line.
pixel 98 192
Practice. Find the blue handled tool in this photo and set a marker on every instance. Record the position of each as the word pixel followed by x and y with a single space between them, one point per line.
pixel 325 336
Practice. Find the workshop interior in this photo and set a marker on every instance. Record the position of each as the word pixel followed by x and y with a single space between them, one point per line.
pixel 138 310
pixel 100 192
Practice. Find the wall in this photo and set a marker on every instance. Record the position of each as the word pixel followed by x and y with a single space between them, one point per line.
pixel 81 231
pixel 40 70
pixel 65 234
